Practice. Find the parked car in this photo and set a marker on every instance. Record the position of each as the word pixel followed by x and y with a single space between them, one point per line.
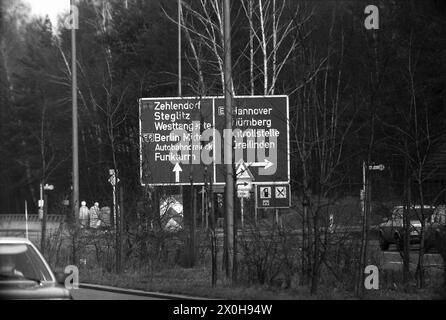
pixel 392 230
pixel 24 273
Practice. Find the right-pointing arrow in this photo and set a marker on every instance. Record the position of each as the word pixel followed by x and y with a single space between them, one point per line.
pixel 177 169
pixel 266 164
pixel 381 167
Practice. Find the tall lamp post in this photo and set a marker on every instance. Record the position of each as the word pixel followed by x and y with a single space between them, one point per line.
pixel 72 23
pixel 75 25
pixel 180 89
pixel 229 190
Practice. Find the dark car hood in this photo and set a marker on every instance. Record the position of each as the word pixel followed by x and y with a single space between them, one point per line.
pixel 413 223
pixel 30 290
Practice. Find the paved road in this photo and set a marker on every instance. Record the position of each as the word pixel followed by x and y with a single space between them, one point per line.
pixel 392 260
pixel 89 294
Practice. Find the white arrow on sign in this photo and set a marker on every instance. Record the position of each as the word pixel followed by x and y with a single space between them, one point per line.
pixel 380 167
pixel 267 164
pixel 177 171
pixel 244 185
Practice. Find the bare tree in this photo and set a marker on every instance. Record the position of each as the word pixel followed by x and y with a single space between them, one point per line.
pixel 272 29
pixel 413 137
pixel 321 125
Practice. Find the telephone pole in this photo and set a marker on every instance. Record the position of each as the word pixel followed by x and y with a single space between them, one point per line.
pixel 75 115
pixel 180 89
pixel 229 191
pixel 364 212
pixel 43 225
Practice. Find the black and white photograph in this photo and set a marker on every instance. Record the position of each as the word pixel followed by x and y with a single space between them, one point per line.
pixel 222 158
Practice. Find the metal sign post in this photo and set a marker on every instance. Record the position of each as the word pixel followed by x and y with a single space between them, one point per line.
pixel 255 216
pixel 47 187
pixel 41 196
pixel 74 26
pixel 244 186
pixel 365 206
pixel 115 220
pixel 242 213
pixel 26 219
pixel 203 211
pixel 360 281
pixel 113 180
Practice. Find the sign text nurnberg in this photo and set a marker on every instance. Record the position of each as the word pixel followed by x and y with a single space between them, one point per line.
pixel 184 138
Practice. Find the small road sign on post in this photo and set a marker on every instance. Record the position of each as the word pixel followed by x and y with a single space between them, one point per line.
pixel 380 167
pixel 245 185
pixel 281 192
pixel 243 194
pixel 265 193
pixel 273 196
pixel 244 177
pixel 113 180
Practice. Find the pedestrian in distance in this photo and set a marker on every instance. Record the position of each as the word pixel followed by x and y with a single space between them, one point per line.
pixel 94 216
pixel 83 215
pixel 105 217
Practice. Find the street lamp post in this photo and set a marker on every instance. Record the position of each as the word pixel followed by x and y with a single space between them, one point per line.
pixel 180 90
pixel 72 23
pixel 229 190
pixel 74 26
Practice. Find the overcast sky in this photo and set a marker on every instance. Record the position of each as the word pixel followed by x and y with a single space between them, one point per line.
pixel 50 7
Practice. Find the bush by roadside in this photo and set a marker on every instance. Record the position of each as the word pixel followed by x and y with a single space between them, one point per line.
pixel 196 282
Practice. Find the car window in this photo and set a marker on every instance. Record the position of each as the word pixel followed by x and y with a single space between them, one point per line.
pixel 20 261
pixel 439 216
pixel 414 213
pixel 397 213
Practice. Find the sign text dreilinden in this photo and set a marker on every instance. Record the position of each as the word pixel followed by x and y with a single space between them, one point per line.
pixel 180 136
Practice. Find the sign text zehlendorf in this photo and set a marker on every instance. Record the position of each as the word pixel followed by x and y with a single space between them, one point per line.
pixel 182 140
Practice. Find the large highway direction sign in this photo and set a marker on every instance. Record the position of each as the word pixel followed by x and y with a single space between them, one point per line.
pixel 183 138
pixel 165 123
pixel 261 137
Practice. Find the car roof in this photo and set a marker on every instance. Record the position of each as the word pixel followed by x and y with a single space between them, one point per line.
pixel 7 240
pixel 415 207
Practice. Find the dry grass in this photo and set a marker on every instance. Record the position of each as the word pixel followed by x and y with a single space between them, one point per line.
pixel 196 282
